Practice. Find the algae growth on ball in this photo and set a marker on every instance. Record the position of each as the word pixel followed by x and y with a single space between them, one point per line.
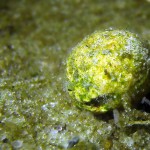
pixel 106 68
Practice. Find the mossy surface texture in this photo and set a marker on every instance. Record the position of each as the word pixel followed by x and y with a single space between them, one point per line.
pixel 104 67
pixel 36 38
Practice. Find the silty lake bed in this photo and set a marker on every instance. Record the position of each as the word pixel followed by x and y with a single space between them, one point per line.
pixel 36 111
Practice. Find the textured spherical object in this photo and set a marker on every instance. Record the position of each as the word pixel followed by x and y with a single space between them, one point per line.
pixel 104 67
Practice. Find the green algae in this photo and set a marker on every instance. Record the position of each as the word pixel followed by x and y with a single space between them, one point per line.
pixel 35 39
pixel 102 70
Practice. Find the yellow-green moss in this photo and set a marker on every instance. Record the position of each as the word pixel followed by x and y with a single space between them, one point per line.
pixel 104 67
pixel 35 38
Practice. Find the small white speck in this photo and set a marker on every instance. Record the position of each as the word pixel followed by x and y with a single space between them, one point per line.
pixel 99 131
pixel 17 144
pixel 44 107
pixel 145 100
pixel 53 104
pixel 129 141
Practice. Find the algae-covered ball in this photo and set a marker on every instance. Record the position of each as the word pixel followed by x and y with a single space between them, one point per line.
pixel 104 67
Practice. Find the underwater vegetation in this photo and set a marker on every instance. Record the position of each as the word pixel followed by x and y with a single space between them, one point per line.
pixel 107 69
pixel 36 111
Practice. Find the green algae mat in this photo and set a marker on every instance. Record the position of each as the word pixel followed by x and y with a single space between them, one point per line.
pixel 36 111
